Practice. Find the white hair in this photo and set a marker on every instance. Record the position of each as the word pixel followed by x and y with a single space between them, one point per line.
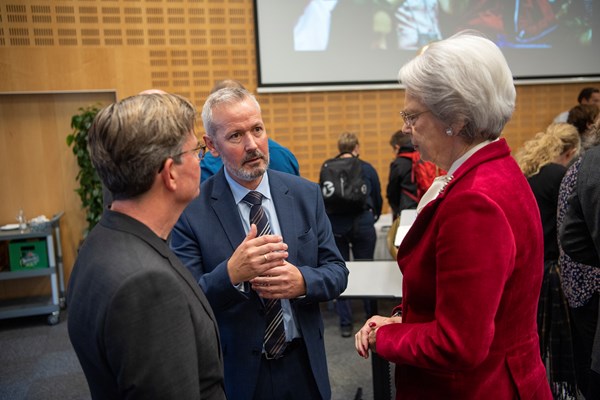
pixel 464 78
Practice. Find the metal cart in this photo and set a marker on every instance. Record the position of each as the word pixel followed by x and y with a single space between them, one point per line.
pixel 26 306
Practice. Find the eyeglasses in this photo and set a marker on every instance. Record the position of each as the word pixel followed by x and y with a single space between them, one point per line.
pixel 410 119
pixel 199 151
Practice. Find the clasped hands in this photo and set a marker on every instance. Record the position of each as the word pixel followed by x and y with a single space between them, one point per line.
pixel 261 260
pixel 366 338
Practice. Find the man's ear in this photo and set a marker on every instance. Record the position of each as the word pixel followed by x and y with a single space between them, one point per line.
pixel 211 146
pixel 169 175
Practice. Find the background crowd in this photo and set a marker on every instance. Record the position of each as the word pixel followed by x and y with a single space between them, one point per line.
pixel 243 261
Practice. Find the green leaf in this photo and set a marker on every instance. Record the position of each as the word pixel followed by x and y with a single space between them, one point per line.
pixel 90 187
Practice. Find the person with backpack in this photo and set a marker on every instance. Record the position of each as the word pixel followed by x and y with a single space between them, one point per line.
pixel 401 188
pixel 409 177
pixel 352 196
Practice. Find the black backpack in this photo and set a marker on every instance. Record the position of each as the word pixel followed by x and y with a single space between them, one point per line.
pixel 343 186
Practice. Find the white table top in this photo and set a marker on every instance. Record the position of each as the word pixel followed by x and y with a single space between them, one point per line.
pixel 373 279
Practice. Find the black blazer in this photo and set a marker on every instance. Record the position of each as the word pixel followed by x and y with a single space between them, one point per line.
pixel 580 231
pixel 139 323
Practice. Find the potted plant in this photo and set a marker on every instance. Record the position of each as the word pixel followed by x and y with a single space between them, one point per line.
pixel 90 187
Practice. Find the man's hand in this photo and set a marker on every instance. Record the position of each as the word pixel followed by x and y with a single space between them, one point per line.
pixel 256 255
pixel 281 282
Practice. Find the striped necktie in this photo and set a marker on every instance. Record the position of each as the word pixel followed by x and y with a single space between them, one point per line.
pixel 274 340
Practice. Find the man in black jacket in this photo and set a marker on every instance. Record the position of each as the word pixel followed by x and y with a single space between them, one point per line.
pixel 580 238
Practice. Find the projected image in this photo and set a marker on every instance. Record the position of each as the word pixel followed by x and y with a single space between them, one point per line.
pixel 410 24
pixel 364 42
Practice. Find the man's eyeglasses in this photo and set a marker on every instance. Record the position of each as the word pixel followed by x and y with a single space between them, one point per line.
pixel 410 119
pixel 199 151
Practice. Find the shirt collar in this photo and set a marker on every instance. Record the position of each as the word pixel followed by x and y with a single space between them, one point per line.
pixel 239 192
pixel 466 156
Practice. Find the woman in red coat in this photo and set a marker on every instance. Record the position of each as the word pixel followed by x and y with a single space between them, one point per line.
pixel 473 260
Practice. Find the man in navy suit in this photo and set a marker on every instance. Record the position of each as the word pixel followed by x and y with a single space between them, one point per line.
pixel 298 262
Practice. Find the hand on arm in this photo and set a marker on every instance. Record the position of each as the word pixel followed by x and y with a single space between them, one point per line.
pixel 366 338
pixel 281 282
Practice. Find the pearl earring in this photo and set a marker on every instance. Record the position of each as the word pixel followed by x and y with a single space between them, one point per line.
pixel 449 131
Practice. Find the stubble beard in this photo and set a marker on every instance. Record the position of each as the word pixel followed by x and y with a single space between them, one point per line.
pixel 248 174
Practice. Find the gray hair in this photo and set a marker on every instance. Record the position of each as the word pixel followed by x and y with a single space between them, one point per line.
pixel 224 96
pixel 464 78
pixel 130 140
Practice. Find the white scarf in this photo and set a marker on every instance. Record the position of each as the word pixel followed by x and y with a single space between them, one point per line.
pixel 439 183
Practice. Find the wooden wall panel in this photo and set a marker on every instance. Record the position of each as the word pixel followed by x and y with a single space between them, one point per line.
pixel 185 46
pixel 38 169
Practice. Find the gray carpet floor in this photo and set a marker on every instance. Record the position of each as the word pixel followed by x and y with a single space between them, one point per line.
pixel 37 361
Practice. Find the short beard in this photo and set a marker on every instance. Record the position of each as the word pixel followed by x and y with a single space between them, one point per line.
pixel 244 174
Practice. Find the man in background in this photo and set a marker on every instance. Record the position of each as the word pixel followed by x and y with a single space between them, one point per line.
pixel 588 95
pixel 260 245
pixel 579 237
pixel 139 323
pixel 355 228
pixel 401 188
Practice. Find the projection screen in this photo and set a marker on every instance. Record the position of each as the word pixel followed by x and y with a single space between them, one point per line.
pixel 303 44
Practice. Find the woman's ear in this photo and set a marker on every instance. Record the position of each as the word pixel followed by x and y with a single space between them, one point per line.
pixel 572 153
pixel 457 127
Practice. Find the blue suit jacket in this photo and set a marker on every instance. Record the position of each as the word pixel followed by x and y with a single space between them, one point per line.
pixel 208 232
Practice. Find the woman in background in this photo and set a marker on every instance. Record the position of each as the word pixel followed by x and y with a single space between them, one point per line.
pixel 582 116
pixel 472 262
pixel 544 160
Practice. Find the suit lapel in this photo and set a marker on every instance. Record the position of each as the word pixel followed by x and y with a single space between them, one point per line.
pixel 286 213
pixel 225 209
pixel 125 223
pixel 189 280
pixel 491 151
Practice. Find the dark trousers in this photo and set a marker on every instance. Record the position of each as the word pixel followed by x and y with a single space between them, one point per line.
pixel 287 378
pixel 356 233
pixel 584 320
pixel 593 391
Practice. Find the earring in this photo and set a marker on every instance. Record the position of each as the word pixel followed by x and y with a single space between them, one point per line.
pixel 449 131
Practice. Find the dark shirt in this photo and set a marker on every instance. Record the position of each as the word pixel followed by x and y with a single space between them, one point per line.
pixel 545 186
pixel 580 232
pixel 401 180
